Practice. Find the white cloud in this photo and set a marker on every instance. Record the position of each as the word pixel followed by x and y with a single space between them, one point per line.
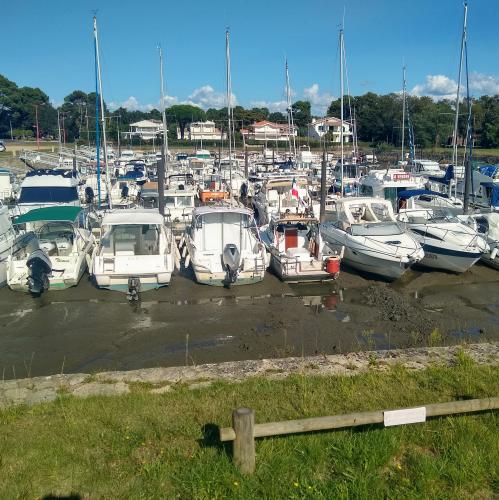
pixel 437 87
pixel 131 104
pixel 272 106
pixel 320 102
pixel 484 84
pixel 442 87
pixel 169 100
pixel 206 97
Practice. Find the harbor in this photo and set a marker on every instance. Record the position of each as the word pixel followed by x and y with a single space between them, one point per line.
pixel 83 329
pixel 234 266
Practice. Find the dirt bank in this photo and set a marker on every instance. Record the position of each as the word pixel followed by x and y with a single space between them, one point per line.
pixel 160 380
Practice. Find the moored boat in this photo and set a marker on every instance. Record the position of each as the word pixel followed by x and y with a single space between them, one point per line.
pixel 223 247
pixel 298 251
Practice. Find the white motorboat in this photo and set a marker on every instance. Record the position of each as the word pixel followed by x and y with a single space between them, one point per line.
pixel 423 198
pixel 280 194
pixel 448 243
pixel 52 253
pixel 374 241
pixel 388 184
pixel 487 225
pixel 45 188
pixel 135 253
pixel 297 249
pixel 223 246
pixel 7 239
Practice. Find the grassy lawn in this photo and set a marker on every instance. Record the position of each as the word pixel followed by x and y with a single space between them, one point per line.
pixel 151 446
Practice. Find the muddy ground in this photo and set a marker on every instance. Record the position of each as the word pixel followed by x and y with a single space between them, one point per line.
pixel 84 329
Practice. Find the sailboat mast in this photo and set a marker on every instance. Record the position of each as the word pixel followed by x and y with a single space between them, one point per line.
pixel 291 135
pixel 456 121
pixel 403 113
pixel 164 150
pixel 341 112
pixel 103 118
pixel 229 100
pixel 97 129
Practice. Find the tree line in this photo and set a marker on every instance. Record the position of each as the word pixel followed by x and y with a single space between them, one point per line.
pixel 378 118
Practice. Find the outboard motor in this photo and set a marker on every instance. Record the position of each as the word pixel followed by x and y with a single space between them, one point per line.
pixel 40 268
pixel 89 195
pixel 231 259
pixel 124 192
pixel 133 288
pixel 244 191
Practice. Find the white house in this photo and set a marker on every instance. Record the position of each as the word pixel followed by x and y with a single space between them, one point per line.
pixel 202 131
pixel 321 126
pixel 145 129
pixel 269 131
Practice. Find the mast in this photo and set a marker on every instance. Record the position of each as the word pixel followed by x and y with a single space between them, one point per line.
pixel 162 167
pixel 468 176
pixel 103 119
pixel 456 121
pixel 403 113
pixel 229 100
pixel 97 129
pixel 292 145
pixel 341 113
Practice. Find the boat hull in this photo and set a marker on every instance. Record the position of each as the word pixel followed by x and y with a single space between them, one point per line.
pixel 220 279
pixel 20 284
pixel 387 269
pixel 120 283
pixel 448 260
pixel 300 276
pixel 364 261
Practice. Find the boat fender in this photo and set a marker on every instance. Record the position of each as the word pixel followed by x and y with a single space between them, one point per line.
pixel 493 254
pixel 184 251
pixel 187 261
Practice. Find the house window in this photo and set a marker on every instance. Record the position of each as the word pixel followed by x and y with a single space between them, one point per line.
pixel 321 128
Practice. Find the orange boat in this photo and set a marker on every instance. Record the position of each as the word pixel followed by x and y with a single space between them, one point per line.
pixel 213 189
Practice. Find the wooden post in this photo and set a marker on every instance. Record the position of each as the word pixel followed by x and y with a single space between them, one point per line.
pixel 243 421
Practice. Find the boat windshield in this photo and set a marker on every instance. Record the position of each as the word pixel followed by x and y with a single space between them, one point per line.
pixel 442 214
pixel 48 194
pixel 131 239
pixel 377 229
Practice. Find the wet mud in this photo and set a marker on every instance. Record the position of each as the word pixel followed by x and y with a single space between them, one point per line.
pixel 84 329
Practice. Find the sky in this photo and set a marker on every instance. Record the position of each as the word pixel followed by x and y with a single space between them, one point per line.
pixel 50 45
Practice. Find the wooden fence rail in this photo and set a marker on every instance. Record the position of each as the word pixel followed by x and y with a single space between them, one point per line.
pixel 244 430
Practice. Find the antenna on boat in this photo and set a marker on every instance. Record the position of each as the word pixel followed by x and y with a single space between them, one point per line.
pixel 103 118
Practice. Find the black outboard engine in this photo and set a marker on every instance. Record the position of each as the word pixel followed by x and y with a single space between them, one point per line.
pixel 40 268
pixel 89 195
pixel 231 259
pixel 133 288
pixel 244 191
pixel 124 192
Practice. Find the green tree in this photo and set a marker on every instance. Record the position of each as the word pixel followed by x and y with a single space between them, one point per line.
pixel 302 116
pixel 183 114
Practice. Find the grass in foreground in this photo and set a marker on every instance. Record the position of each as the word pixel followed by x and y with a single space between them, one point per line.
pixel 150 446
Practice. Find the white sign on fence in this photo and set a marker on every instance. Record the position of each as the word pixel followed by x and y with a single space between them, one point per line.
pixel 408 416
